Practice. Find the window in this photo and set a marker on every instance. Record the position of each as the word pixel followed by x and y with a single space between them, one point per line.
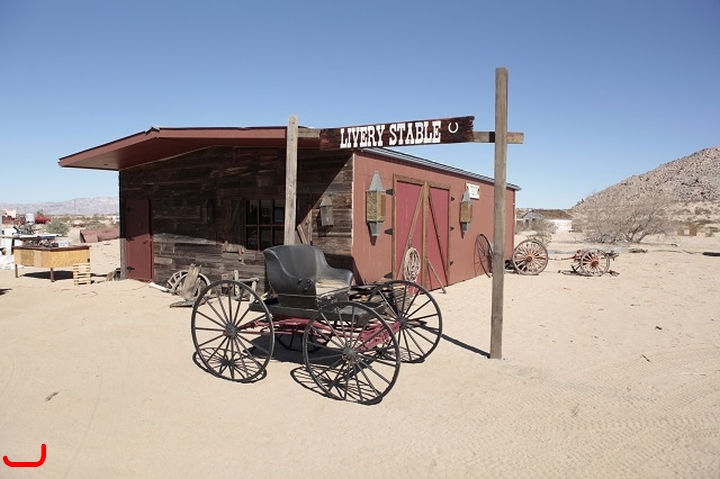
pixel 264 223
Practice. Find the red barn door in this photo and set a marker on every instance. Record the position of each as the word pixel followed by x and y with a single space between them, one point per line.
pixel 421 233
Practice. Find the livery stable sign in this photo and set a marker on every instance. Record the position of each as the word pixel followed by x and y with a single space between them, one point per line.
pixel 405 133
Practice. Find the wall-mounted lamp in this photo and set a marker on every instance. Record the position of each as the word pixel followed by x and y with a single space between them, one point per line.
pixel 326 211
pixel 375 205
pixel 465 211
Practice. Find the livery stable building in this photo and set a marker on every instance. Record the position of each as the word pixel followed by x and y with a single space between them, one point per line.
pixel 216 197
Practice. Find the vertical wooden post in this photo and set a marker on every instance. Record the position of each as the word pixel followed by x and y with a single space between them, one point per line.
pixel 498 280
pixel 291 179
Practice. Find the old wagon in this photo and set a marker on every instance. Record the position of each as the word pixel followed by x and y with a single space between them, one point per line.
pixel 353 338
pixel 530 257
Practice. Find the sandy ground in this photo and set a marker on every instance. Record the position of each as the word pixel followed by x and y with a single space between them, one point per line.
pixel 613 376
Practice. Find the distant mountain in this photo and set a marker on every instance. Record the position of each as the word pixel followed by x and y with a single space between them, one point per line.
pixel 693 178
pixel 689 187
pixel 77 207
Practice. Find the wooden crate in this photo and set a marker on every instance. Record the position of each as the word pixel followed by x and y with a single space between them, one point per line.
pixel 81 273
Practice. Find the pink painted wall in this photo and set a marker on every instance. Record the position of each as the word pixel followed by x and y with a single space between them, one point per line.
pixel 374 256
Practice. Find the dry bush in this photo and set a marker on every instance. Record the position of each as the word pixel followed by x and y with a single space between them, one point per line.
pixel 608 221
pixel 544 230
pixel 57 226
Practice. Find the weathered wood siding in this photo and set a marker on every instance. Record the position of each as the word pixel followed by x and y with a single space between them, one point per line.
pixel 198 206
pixel 321 174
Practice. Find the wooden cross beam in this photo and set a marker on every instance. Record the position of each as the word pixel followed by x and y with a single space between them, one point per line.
pixel 513 138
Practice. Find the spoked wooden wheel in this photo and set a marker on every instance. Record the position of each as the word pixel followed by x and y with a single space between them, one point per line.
pixel 594 262
pixel 357 356
pixel 576 266
pixel 177 280
pixel 232 331
pixel 483 255
pixel 416 313
pixel 530 257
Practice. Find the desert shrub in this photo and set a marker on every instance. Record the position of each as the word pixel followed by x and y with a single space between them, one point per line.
pixel 702 222
pixel 56 226
pixel 608 221
pixel 543 231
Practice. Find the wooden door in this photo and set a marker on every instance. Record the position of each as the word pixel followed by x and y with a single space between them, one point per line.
pixel 438 232
pixel 138 239
pixel 421 232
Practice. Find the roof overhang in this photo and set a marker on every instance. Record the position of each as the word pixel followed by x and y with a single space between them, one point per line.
pixel 158 144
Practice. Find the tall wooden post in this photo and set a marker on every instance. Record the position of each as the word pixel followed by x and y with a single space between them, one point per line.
pixel 498 280
pixel 291 179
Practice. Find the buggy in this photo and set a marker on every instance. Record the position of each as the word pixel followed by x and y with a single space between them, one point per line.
pixel 353 338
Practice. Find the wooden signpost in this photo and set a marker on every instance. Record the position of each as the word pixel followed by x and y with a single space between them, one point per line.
pixel 404 133
pixel 423 132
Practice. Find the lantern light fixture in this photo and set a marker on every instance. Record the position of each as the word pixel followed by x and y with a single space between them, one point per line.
pixel 375 205
pixel 465 211
pixel 326 211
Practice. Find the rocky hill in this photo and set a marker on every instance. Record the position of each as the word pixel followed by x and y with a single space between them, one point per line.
pixel 693 178
pixel 76 207
pixel 689 188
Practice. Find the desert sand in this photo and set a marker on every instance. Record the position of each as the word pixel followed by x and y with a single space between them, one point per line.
pixel 610 376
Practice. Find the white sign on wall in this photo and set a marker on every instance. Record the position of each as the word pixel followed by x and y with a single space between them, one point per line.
pixel 473 191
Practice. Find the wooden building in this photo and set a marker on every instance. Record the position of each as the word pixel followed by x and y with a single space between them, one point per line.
pixel 216 197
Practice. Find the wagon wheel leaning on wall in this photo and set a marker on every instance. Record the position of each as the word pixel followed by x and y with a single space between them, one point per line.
pixel 482 258
pixel 530 257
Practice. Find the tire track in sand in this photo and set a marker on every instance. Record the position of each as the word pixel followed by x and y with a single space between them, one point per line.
pixel 619 418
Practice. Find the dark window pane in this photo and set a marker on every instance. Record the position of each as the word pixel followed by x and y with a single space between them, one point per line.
pixel 252 212
pixel 278 236
pixel 264 223
pixel 251 237
pixel 265 238
pixel 265 212
pixel 279 212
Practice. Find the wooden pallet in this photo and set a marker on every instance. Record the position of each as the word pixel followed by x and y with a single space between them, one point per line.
pixel 81 273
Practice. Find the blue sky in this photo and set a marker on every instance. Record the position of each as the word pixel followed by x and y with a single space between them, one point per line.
pixel 602 89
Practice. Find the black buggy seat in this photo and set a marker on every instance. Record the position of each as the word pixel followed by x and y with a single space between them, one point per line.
pixel 301 278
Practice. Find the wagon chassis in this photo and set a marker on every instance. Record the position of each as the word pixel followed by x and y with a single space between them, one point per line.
pixel 530 257
pixel 351 347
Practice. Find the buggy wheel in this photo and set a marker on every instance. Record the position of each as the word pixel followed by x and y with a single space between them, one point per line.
pixel 483 256
pixel 594 262
pixel 178 279
pixel 530 257
pixel 232 331
pixel 357 356
pixel 416 313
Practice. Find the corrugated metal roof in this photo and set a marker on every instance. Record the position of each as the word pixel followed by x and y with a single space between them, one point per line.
pixel 433 164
